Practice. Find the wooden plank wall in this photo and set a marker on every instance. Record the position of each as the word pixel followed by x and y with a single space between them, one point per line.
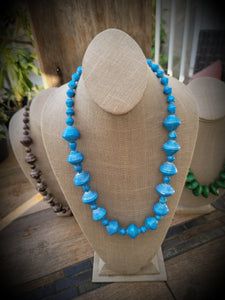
pixel 63 30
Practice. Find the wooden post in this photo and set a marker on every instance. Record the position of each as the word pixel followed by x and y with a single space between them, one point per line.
pixel 63 29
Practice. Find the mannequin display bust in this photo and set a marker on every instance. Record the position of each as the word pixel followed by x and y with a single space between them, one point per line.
pixel 120 107
pixel 209 155
pixel 16 134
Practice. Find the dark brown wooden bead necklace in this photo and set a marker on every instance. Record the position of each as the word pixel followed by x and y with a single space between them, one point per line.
pixel 35 173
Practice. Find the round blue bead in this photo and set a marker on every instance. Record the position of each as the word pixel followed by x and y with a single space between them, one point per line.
pixel 170 98
pixel 70 93
pixel 151 223
pixel 164 80
pixel 99 213
pixel 69 121
pixel 105 222
pixel 73 146
pixel 154 67
pixel 82 178
pixel 112 227
pixel 166 179
pixel 93 206
pixel 149 62
pixel 159 73
pixel 171 158
pixel 78 168
pixel 167 90
pixel 171 108
pixel 122 231
pixel 75 76
pixel 172 135
pixel 162 199
pixel 143 229
pixel 160 209
pixel 72 84
pixel 79 70
pixel 69 102
pixel 70 111
pixel 71 134
pixel 133 231
pixel 86 187
pixel 158 217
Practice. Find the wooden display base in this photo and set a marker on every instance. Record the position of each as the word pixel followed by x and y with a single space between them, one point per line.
pixel 201 210
pixel 154 271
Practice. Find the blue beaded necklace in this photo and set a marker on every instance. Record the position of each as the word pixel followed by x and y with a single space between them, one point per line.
pixel 168 168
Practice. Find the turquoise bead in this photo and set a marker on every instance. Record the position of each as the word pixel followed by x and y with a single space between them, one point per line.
pixel 172 135
pixel 112 227
pixel 149 62
pixel 159 73
pixel 170 98
pixel 98 214
pixel 81 178
pixel 165 190
pixel 69 102
pixel 171 158
pixel 166 179
pixel 79 70
pixel 164 80
pixel 158 217
pixel 89 197
pixel 171 122
pixel 71 134
pixel 70 111
pixel 154 67
pixel 162 199
pixel 69 121
pixel 105 222
pixel 160 209
pixel 72 84
pixel 151 223
pixel 73 146
pixel 133 231
pixel 171 147
pixel 70 93
pixel 93 206
pixel 168 169
pixel 86 187
pixel 75 157
pixel 78 168
pixel 171 108
pixel 75 76
pixel 122 231
pixel 167 90
pixel 143 229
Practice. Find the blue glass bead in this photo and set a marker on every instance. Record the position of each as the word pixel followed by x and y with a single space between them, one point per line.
pixel 93 206
pixel 166 179
pixel 112 227
pixel 78 168
pixel 165 189
pixel 70 111
pixel 160 209
pixel 164 80
pixel 171 158
pixel 86 187
pixel 133 231
pixel 171 122
pixel 149 62
pixel 158 217
pixel 159 73
pixel 89 197
pixel 105 222
pixel 171 147
pixel 72 84
pixel 151 223
pixel 154 67
pixel 71 134
pixel 168 169
pixel 167 90
pixel 122 231
pixel 73 146
pixel 171 108
pixel 143 229
pixel 162 199
pixel 69 121
pixel 79 70
pixel 170 98
pixel 172 135
pixel 98 213
pixel 70 93
pixel 69 102
pixel 75 157
pixel 75 76
pixel 81 178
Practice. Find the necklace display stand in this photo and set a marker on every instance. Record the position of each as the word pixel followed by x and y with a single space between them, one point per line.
pixel 120 107
pixel 209 155
pixel 16 134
